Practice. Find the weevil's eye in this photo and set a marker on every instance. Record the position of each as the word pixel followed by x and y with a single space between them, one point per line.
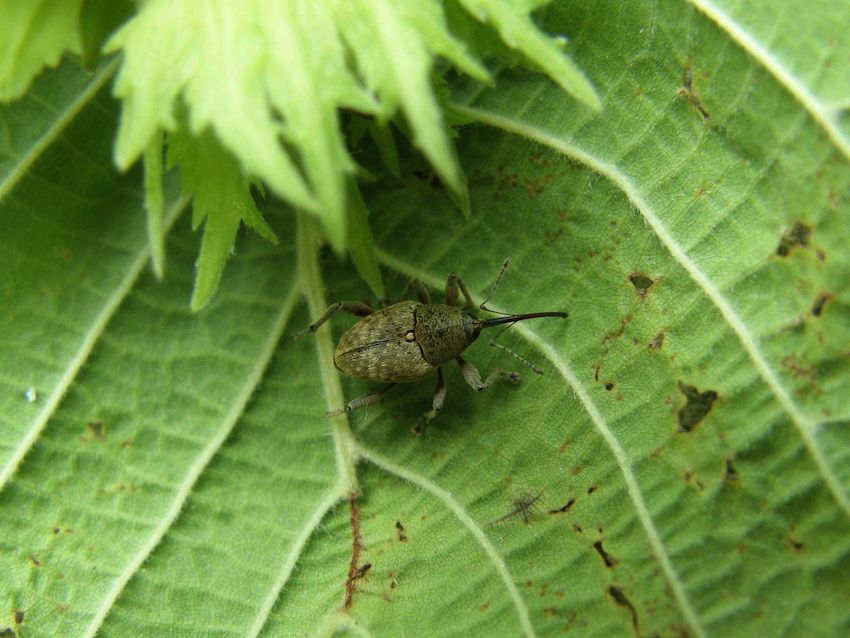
pixel 472 327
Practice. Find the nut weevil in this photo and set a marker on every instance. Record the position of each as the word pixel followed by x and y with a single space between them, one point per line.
pixel 409 340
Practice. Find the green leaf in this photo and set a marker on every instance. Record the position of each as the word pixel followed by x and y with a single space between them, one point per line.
pixel 98 19
pixel 360 242
pixel 221 200
pixel 34 34
pixel 682 466
pixel 518 32
pixel 154 205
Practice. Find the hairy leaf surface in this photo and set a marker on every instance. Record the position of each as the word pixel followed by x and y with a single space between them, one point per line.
pixel 681 468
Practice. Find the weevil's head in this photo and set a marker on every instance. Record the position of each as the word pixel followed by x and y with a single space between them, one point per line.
pixel 472 326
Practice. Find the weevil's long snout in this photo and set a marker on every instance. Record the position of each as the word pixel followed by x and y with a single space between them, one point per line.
pixel 514 318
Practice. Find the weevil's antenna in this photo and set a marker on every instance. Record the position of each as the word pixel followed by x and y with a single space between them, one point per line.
pixel 483 305
pixel 518 357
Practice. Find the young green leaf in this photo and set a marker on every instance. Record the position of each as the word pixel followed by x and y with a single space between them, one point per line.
pixel 33 35
pixel 98 19
pixel 360 242
pixel 221 199
pixel 154 203
pixel 518 32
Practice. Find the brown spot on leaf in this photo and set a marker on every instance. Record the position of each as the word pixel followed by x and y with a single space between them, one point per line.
pixel 698 405
pixel 657 342
pixel 362 570
pixel 95 431
pixel 619 331
pixel 798 235
pixel 356 548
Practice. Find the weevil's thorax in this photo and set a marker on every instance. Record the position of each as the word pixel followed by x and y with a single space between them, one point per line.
pixel 444 332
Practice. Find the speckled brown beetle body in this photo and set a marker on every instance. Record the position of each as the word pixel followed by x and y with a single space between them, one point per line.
pixel 411 339
pixel 405 341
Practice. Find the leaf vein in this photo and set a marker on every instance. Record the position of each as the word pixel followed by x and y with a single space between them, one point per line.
pixel 200 464
pixel 804 426
pixel 91 338
pixel 463 516
pixel 620 456
pixel 63 120
pixel 286 570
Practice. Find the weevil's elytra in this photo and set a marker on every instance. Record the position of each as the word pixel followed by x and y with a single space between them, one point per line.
pixel 411 339
pixel 377 347
pixel 382 347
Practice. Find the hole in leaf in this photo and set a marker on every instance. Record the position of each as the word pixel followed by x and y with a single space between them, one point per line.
pixel 698 405
pixel 622 600
pixel 641 282
pixel 563 508
pixel 402 537
pixel 609 560
pixel 731 475
pixel 820 302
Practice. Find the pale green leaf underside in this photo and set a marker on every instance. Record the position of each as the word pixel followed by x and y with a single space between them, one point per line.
pixel 188 481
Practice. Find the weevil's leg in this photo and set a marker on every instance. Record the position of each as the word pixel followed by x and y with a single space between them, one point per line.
pixel 437 405
pixel 420 290
pixel 455 286
pixel 353 307
pixel 362 401
pixel 473 378
pixel 496 283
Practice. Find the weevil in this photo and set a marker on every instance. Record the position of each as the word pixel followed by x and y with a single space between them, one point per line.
pixel 409 340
